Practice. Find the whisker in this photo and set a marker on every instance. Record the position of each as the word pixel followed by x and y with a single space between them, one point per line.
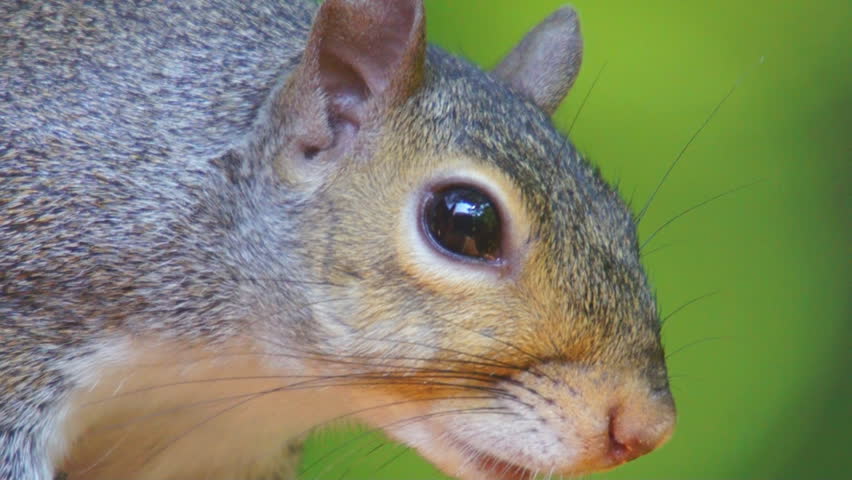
pixel 282 388
pixel 489 362
pixel 305 385
pixel 685 148
pixel 507 344
pixel 101 458
pixel 381 444
pixel 550 473
pixel 493 364
pixel 692 344
pixel 193 382
pixel 695 207
pixel 172 410
pixel 378 374
pixel 366 380
pixel 688 303
pixel 335 359
pixel 200 424
pixel 386 405
pixel 244 401
pixel 632 196
pixel 407 421
pixel 490 337
pixel 586 98
pixel 655 250
pixel 402 451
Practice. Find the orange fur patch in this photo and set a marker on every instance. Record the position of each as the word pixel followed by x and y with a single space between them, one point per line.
pixel 177 411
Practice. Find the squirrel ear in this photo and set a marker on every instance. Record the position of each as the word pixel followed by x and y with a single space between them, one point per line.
pixel 544 65
pixel 361 57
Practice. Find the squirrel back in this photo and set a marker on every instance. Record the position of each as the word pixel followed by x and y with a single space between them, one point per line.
pixel 319 191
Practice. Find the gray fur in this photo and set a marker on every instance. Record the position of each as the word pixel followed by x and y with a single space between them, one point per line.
pixel 108 219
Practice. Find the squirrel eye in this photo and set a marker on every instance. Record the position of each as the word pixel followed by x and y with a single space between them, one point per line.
pixel 464 221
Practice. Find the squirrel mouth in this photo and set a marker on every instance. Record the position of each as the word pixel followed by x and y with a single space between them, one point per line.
pixel 492 467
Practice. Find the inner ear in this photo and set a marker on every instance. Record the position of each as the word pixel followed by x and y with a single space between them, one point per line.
pixel 362 57
pixel 346 91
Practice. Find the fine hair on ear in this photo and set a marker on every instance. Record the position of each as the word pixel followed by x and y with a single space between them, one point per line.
pixel 544 65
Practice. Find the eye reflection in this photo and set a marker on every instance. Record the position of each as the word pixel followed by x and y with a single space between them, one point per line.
pixel 463 220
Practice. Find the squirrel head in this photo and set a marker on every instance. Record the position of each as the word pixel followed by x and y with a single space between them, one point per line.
pixel 470 271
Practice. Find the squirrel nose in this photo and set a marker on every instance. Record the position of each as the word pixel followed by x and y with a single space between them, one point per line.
pixel 633 433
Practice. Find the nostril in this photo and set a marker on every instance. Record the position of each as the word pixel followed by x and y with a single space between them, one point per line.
pixel 626 441
pixel 616 451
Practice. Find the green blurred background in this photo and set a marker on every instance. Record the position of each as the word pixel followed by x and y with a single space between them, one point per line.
pixel 761 369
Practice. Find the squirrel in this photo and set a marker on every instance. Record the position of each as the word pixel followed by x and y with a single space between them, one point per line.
pixel 225 223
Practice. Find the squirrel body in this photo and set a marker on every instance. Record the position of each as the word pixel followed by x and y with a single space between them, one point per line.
pixel 218 229
pixel 84 259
